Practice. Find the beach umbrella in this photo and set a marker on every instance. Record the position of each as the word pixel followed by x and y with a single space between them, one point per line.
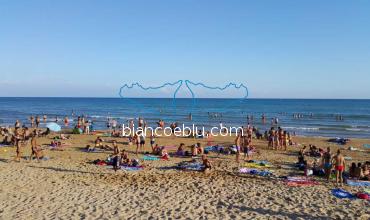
pixel 53 126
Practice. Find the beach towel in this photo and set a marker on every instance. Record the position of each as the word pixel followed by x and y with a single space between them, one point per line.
pixel 128 168
pixel 342 194
pixel 358 183
pixel 190 166
pixel 300 181
pixel 348 158
pixel 258 164
pixel 170 147
pixel 367 190
pixel 255 172
pixel 95 150
pixel 150 158
pixel 5 145
pixel 366 145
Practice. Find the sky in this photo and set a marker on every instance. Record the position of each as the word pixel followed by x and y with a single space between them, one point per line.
pixel 278 49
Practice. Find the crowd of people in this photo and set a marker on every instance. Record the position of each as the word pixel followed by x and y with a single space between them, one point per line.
pixel 277 139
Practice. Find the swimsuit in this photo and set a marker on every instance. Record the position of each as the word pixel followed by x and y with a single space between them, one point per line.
pixel 327 165
pixel 339 168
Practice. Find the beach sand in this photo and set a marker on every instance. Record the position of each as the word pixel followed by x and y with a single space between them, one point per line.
pixel 68 186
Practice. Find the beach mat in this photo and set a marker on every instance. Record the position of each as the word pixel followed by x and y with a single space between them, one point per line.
pixel 342 194
pixel 255 172
pixel 258 164
pixel 127 168
pixel 358 183
pixel 150 158
pixel 190 166
pixel 300 181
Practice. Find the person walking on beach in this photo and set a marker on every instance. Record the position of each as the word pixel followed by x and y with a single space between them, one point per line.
pixel 340 166
pixel 238 142
pixel 17 124
pixel 32 120
pixel 35 149
pixel 45 118
pixel 116 154
pixel 17 143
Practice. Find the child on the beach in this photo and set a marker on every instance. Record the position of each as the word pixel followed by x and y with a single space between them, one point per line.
pixel 152 141
pixel 206 163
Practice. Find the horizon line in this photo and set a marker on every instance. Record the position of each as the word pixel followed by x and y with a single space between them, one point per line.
pixel 92 97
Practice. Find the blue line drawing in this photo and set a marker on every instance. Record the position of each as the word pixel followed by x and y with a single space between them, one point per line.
pixel 230 84
pixel 188 85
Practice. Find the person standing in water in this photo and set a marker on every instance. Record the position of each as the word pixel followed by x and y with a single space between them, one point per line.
pixel 37 121
pixel 340 166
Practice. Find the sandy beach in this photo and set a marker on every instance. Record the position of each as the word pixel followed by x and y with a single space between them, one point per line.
pixel 69 186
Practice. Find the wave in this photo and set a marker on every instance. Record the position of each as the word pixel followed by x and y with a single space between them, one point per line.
pixel 301 128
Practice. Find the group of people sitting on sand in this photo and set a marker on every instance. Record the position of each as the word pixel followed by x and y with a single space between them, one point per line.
pixel 360 171
pixel 328 162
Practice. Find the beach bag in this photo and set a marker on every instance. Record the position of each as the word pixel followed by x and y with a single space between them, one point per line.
pixel 363 196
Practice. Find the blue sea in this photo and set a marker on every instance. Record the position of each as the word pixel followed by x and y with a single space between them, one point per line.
pixel 319 116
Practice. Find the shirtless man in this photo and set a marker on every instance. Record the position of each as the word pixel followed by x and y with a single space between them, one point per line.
pixel 37 121
pixel 326 161
pixel 340 166
pixel 17 143
pixel 116 159
pixel 35 149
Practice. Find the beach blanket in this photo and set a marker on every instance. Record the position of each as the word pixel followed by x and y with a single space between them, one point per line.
pixel 258 164
pixel 342 194
pixel 366 145
pixel 255 172
pixel 150 158
pixel 127 168
pixel 95 150
pixel 190 166
pixel 367 190
pixel 358 183
pixel 5 145
pixel 300 181
pixel 170 147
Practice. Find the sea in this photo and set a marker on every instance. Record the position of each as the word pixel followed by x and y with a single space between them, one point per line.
pixel 306 117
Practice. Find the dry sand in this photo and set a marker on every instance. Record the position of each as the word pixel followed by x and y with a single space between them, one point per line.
pixel 68 187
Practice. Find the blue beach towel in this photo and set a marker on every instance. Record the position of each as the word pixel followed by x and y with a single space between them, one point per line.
pixel 366 145
pixel 342 194
pixel 191 166
pixel 358 183
pixel 150 158
pixel 131 168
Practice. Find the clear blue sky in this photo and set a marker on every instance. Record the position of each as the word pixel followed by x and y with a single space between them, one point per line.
pixel 294 49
